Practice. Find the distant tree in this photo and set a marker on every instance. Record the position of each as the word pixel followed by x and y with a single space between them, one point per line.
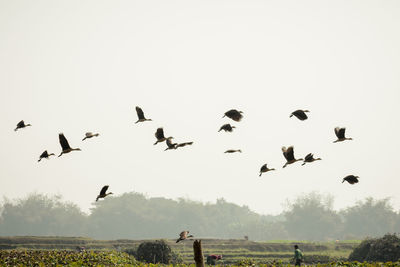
pixel 311 217
pixel 132 215
pixel 370 218
pixel 39 214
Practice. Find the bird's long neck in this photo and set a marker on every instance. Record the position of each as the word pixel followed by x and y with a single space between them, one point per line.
pixel 75 149
pixel 51 154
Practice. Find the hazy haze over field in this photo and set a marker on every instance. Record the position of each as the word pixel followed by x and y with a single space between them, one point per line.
pixel 78 66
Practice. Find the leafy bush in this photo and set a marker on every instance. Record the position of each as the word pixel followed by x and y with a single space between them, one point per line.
pixel 382 249
pixel 155 252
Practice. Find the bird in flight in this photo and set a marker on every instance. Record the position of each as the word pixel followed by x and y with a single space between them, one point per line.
pixel 183 235
pixel 140 114
pixel 340 134
pixel 310 158
pixel 227 128
pixel 288 153
pixel 160 136
pixel 89 135
pixel 171 145
pixel 103 193
pixel 45 155
pixel 21 125
pixel 65 146
pixel 351 179
pixel 264 168
pixel 234 114
pixel 233 151
pixel 300 114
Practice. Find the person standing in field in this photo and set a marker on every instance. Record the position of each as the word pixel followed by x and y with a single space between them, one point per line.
pixel 298 255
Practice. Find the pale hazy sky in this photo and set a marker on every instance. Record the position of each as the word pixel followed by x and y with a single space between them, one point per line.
pixel 78 66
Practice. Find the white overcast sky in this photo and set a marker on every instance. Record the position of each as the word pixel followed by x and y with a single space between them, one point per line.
pixel 78 66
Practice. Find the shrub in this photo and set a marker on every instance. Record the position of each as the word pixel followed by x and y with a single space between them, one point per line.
pixel 384 249
pixel 154 252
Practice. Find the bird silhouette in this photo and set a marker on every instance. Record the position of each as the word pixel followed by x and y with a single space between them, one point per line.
pixel 227 128
pixel 351 179
pixel 140 114
pixel 300 114
pixel 310 158
pixel 89 135
pixel 21 125
pixel 65 146
pixel 45 155
pixel 340 134
pixel 160 136
pixel 264 168
pixel 234 114
pixel 183 235
pixel 103 193
pixel 171 145
pixel 233 151
pixel 288 153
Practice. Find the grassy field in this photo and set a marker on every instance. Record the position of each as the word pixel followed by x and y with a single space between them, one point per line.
pixel 233 250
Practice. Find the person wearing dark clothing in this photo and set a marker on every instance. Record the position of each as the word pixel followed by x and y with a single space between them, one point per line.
pixel 298 255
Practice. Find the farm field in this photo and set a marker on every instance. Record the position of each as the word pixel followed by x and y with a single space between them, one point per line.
pixel 233 250
pixel 113 258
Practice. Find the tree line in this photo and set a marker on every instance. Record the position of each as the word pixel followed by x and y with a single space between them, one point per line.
pixel 135 216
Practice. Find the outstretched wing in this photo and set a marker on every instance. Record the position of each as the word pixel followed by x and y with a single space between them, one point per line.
pixel 263 168
pixel 226 127
pixel 288 153
pixel 234 114
pixel 140 113
pixel 159 134
pixel 309 157
pixel 341 132
pixel 183 234
pixel 104 190
pixel 300 114
pixel 337 130
pixel 63 142
pixel 21 124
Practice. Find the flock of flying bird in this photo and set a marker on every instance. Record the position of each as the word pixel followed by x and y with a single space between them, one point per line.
pixel 288 153
pixel 233 114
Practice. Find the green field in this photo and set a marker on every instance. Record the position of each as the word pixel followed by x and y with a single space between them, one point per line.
pixel 113 258
pixel 233 250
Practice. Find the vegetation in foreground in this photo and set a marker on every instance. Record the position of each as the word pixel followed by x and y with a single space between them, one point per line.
pixel 233 250
pixel 113 258
pixel 64 257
